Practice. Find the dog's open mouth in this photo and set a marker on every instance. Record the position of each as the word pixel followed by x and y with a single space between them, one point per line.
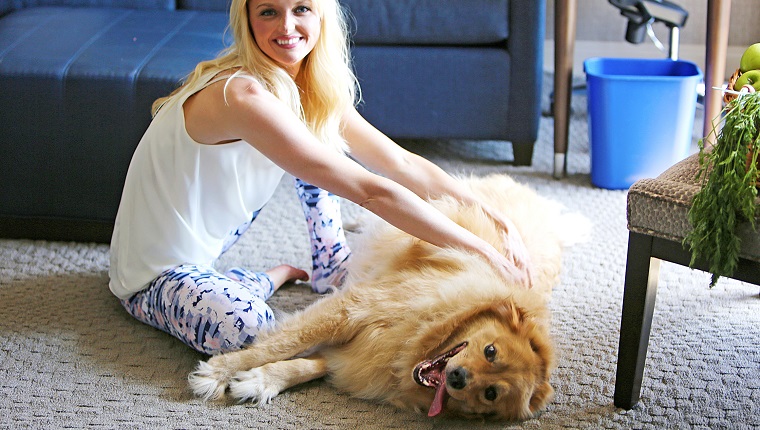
pixel 431 373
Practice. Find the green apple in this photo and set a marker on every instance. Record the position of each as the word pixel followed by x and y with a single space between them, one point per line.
pixel 751 77
pixel 750 59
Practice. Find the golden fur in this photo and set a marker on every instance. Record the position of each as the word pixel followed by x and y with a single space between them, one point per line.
pixel 406 302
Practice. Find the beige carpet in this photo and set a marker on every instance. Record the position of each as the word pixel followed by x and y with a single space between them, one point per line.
pixel 70 357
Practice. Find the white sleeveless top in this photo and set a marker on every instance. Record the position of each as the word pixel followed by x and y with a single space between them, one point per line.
pixel 181 200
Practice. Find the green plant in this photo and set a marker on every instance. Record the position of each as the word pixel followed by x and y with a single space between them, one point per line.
pixel 729 176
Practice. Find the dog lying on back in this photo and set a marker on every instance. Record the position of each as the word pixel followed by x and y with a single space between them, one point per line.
pixel 419 326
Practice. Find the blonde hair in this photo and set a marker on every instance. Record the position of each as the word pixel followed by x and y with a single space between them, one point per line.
pixel 326 85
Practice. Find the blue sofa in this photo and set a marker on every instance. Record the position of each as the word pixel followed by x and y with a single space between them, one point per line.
pixel 77 78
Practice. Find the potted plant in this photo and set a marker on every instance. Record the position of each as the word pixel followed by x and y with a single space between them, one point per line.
pixel 729 177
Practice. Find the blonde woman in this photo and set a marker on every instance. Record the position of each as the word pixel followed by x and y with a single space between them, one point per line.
pixel 280 99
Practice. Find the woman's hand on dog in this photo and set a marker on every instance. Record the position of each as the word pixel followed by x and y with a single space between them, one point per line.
pixel 514 247
pixel 507 267
pixel 517 253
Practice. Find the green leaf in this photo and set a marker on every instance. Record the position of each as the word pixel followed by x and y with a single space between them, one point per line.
pixel 728 190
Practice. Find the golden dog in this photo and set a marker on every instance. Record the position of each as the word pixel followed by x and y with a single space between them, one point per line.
pixel 419 326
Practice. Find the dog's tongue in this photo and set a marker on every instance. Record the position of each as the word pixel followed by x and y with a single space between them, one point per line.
pixel 432 373
pixel 440 398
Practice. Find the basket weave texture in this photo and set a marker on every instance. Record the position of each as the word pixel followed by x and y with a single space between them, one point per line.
pixel 728 97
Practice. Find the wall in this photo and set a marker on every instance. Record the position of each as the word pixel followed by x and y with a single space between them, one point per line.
pixel 601 32
pixel 600 21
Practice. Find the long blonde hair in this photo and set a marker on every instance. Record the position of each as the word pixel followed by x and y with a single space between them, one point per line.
pixel 326 84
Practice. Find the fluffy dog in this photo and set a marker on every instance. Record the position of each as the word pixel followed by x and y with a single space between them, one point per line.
pixel 419 326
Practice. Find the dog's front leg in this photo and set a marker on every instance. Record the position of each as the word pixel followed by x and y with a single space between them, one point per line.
pixel 322 323
pixel 261 384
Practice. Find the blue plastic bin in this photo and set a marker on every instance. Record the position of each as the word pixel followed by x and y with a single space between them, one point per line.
pixel 641 116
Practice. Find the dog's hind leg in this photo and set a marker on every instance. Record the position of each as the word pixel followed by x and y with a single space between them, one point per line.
pixel 322 323
pixel 261 384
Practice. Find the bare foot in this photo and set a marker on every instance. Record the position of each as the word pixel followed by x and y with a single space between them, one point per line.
pixel 286 273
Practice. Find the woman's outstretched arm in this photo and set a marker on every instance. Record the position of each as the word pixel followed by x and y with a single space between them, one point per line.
pixel 379 153
pixel 256 116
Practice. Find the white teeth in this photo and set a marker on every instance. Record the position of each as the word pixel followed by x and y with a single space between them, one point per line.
pixel 289 41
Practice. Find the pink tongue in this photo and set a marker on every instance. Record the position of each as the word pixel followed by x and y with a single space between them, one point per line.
pixel 440 396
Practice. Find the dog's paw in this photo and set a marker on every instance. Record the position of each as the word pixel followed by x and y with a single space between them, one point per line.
pixel 207 382
pixel 255 385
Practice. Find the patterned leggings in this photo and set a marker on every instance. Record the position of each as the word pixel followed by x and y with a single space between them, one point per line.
pixel 213 312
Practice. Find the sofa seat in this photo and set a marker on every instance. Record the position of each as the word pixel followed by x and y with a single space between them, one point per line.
pixel 65 67
pixel 411 108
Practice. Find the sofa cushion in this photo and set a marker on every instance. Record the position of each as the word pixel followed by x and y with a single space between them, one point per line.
pixel 429 22
pixel 412 109
pixel 106 43
pixel 128 4
pixel 84 99
pixel 207 5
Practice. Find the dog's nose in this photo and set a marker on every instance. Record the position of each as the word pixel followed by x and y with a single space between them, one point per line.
pixel 457 378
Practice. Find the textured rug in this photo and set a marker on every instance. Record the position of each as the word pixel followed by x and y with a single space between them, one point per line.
pixel 70 356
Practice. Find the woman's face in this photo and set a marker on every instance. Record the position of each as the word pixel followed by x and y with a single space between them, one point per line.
pixel 286 30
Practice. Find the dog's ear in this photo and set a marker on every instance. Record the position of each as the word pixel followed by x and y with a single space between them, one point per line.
pixel 510 313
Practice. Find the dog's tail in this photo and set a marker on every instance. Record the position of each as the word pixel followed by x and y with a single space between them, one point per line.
pixel 573 228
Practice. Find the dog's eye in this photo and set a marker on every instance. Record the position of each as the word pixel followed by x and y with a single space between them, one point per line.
pixel 490 353
pixel 491 394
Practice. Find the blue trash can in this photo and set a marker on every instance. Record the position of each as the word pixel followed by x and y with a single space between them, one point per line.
pixel 641 116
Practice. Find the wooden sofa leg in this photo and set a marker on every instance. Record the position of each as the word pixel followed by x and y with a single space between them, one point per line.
pixel 641 275
pixel 523 153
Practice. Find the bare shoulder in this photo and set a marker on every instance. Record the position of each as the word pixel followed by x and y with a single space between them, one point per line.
pixel 209 111
pixel 227 88
pixel 241 88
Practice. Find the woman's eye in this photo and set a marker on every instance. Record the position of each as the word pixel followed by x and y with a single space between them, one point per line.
pixel 491 394
pixel 301 9
pixel 267 12
pixel 490 353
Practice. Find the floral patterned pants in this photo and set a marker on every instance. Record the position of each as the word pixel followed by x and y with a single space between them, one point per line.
pixel 213 312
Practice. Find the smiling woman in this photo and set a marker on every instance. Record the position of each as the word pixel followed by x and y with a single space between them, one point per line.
pixel 279 99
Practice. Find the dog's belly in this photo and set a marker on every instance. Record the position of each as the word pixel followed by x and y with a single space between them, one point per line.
pixel 363 366
pixel 371 365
